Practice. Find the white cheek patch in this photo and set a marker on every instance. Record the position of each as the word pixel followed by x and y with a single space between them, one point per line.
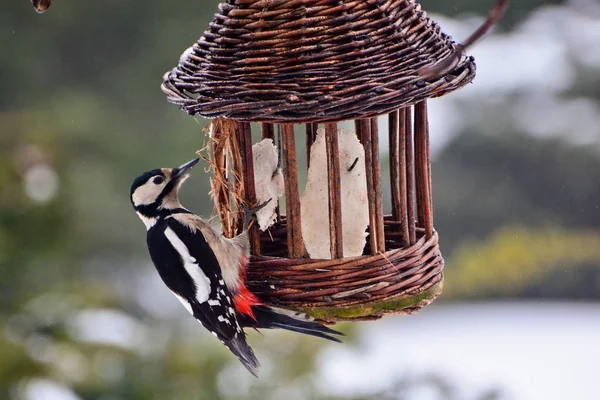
pixel 147 194
pixel 201 281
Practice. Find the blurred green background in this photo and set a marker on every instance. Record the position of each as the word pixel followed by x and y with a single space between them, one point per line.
pixel 83 314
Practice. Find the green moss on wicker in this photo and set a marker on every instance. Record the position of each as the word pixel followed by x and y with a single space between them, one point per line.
pixel 394 305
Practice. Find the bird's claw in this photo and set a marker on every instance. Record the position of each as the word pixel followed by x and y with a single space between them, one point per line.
pixel 250 213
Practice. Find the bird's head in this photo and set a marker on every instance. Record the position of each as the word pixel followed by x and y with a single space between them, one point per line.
pixel 156 192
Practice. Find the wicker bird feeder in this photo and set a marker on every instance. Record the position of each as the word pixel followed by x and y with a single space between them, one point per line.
pixel 293 66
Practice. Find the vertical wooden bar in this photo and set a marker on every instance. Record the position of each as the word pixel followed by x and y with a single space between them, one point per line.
pixel 376 168
pixel 360 126
pixel 419 172
pixel 292 195
pixel 394 135
pixel 364 134
pixel 268 131
pixel 402 140
pixel 423 176
pixel 410 178
pixel 311 135
pixel 245 138
pixel 335 191
pixel 309 141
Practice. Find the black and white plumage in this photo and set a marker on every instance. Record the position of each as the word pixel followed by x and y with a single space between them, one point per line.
pixel 205 270
pixel 205 295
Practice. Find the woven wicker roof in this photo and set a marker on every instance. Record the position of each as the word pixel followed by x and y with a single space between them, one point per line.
pixel 313 61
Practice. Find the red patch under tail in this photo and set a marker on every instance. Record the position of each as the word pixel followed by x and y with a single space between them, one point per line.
pixel 245 299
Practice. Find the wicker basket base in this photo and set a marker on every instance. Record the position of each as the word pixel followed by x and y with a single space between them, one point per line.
pixel 399 281
pixel 406 304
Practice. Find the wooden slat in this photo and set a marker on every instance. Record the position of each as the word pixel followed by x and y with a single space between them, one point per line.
pixel 376 168
pixel 279 143
pixel 245 139
pixel 410 178
pixel 268 131
pixel 402 174
pixel 292 195
pixel 394 136
pixel 423 171
pixel 360 126
pixel 311 135
pixel 364 134
pixel 419 173
pixel 335 191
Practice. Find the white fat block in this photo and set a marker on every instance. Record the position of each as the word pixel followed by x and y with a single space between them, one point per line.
pixel 268 181
pixel 315 200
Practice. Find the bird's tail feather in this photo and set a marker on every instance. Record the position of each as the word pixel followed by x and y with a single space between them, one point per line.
pixel 271 317
pixel 244 353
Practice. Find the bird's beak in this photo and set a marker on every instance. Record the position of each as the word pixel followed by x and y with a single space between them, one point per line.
pixel 183 171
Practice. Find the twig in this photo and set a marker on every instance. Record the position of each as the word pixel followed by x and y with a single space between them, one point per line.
pixel 446 65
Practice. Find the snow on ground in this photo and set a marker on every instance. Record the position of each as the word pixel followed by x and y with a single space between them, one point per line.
pixel 531 351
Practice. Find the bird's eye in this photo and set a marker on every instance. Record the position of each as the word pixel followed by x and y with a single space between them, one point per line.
pixel 158 180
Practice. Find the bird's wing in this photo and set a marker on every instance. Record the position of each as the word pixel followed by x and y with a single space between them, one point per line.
pixel 212 304
pixel 231 254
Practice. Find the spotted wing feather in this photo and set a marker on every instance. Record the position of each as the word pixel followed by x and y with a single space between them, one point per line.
pixel 216 313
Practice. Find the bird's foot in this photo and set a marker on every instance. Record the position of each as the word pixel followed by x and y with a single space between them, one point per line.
pixel 250 213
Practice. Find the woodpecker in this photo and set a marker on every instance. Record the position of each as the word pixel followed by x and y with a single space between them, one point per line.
pixel 205 270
